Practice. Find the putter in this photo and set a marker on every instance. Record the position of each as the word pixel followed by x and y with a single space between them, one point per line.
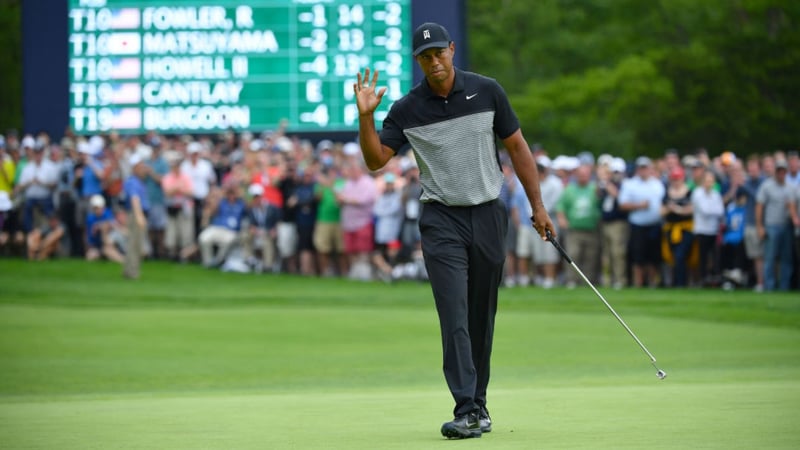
pixel 659 373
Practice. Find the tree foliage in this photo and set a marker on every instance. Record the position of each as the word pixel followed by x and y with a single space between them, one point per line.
pixel 633 77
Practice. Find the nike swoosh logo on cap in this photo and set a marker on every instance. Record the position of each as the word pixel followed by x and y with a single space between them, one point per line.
pixel 469 97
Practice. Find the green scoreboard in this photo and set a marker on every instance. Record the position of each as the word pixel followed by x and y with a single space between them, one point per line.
pixel 209 65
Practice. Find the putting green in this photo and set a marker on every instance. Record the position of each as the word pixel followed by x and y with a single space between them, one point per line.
pixel 677 416
pixel 189 359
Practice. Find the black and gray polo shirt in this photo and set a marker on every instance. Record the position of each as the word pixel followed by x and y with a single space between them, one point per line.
pixel 453 138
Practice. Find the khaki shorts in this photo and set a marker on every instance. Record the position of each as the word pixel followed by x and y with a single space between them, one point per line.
pixel 543 251
pixel 328 237
pixel 525 241
pixel 753 245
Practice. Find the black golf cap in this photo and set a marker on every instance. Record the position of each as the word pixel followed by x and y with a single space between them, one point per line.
pixel 430 35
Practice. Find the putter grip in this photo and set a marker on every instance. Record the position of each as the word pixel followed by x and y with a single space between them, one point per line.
pixel 557 246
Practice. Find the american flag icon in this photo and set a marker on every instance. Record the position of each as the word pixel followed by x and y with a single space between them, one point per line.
pixel 122 68
pixel 124 43
pixel 126 93
pixel 125 119
pixel 124 19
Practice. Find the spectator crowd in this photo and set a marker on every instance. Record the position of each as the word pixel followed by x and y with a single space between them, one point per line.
pixel 273 203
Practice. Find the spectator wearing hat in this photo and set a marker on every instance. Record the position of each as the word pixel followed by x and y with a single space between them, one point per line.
pixel 9 227
pixel 411 252
pixel 733 260
pixel 723 166
pixel 100 226
pixel 288 237
pixel 305 217
pixel 259 242
pixel 678 243
pixel 89 173
pixel 641 196
pixel 793 167
pixel 136 205
pixel 203 177
pixel 66 198
pixel 545 256
pixel 157 167
pixel 708 212
pixel 225 223
pixel 775 215
pixel 36 184
pixel 613 224
pixel 179 235
pixel 578 214
pixel 696 171
pixel 115 171
pixel 733 180
pixel 534 254
pixel 351 150
pixel 753 244
pixel 22 155
pixel 328 234
pixel 388 211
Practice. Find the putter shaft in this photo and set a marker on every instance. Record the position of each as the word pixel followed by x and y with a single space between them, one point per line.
pixel 661 374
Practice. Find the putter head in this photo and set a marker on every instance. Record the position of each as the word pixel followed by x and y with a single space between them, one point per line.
pixel 661 374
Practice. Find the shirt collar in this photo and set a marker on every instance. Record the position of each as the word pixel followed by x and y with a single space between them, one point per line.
pixel 458 84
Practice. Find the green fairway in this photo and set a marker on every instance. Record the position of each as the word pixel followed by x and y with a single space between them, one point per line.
pixel 187 358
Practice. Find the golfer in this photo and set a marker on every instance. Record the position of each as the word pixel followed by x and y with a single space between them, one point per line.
pixel 451 120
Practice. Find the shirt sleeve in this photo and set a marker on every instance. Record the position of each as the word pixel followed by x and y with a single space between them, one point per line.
pixel 761 195
pixel 625 192
pixel 26 175
pixel 506 122
pixel 391 135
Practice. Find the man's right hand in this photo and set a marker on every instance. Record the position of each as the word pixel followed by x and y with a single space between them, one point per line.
pixel 367 98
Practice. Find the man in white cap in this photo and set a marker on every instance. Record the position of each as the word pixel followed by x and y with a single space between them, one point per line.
pixel 452 120
pixel 201 171
pixel 100 224
pixel 614 227
pixel 36 183
pixel 641 196
pixel 262 232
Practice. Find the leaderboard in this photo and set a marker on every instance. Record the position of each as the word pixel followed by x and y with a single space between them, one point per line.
pixel 189 66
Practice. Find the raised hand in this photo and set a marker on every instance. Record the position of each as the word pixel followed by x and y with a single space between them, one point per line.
pixel 367 98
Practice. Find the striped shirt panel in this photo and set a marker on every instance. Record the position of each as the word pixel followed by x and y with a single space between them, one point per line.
pixel 453 138
pixel 457 160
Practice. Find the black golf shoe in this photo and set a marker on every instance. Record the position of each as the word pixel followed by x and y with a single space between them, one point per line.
pixel 484 420
pixel 463 427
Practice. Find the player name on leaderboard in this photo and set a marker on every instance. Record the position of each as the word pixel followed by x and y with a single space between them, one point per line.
pixel 182 65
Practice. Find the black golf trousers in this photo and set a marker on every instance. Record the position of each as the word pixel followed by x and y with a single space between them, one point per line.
pixel 464 251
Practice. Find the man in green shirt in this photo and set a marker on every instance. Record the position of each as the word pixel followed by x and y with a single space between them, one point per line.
pixel 578 213
pixel 328 237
